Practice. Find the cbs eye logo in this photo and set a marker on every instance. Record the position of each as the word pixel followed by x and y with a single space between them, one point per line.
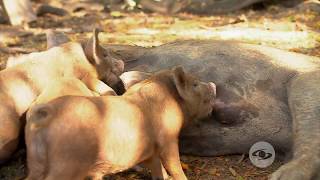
pixel 262 154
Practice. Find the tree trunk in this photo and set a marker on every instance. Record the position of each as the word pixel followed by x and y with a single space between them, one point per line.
pixel 3 15
pixel 19 11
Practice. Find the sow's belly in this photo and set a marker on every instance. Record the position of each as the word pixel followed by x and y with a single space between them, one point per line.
pixel 237 123
pixel 251 99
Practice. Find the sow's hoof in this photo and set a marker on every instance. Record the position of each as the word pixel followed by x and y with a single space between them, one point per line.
pixel 291 171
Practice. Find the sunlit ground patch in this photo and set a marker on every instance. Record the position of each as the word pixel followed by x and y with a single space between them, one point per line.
pixel 156 30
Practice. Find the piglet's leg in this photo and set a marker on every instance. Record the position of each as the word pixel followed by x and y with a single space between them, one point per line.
pixel 170 158
pixel 157 170
pixel 9 132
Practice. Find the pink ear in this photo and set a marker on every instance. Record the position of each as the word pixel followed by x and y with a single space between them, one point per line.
pixel 179 78
pixel 92 48
pixel 119 64
pixel 55 38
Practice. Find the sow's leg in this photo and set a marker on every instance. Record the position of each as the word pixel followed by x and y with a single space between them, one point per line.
pixel 304 102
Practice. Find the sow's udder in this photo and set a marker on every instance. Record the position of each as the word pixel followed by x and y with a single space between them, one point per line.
pixel 233 113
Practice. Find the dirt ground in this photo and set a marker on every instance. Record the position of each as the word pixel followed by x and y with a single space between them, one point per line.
pixel 296 29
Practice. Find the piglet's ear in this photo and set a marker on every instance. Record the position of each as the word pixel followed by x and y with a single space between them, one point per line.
pixel 93 50
pixel 180 80
pixel 55 38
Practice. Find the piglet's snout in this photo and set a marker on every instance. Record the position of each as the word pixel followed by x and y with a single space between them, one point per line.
pixel 213 89
pixel 213 92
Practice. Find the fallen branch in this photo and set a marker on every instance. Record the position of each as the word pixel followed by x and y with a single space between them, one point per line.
pixel 16 50
pixel 48 9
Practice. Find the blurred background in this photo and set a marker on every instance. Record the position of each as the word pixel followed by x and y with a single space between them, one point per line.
pixel 292 25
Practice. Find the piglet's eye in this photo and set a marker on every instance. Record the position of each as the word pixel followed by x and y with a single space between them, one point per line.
pixel 195 84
